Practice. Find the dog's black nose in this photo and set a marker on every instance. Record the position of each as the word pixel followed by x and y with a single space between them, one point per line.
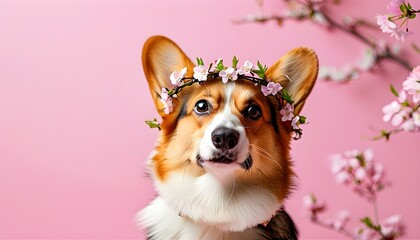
pixel 224 138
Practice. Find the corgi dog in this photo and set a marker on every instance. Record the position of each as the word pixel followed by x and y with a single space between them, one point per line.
pixel 222 167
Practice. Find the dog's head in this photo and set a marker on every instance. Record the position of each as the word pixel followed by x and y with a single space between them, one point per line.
pixel 222 156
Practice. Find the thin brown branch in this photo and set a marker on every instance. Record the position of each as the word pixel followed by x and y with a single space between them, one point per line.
pixel 342 231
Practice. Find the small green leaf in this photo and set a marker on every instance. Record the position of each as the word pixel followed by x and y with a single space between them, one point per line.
pixel 403 8
pixel 220 66
pixel 234 62
pixel 409 6
pixel 261 70
pixel 393 90
pixel 200 62
pixel 302 119
pixel 412 16
pixel 259 73
pixel 285 95
pixel 153 124
pixel 368 222
pixel 385 134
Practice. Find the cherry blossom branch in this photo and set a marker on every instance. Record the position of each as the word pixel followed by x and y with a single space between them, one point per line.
pixel 342 231
pixel 313 10
pixel 352 30
pixel 358 171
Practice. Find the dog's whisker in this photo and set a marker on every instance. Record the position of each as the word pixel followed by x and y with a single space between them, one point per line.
pixel 233 189
pixel 185 169
pixel 264 153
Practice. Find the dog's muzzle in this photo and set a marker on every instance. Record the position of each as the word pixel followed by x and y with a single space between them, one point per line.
pixel 225 140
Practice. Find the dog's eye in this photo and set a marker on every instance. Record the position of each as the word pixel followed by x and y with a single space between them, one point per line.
pixel 202 107
pixel 253 112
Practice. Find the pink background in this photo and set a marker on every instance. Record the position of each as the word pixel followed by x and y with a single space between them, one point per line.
pixel 73 100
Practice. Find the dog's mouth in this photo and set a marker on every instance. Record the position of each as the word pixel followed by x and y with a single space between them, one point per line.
pixel 224 158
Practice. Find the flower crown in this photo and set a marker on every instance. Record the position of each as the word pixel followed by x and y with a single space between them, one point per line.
pixel 245 72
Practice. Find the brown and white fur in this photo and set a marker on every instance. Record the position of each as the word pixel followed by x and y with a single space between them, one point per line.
pixel 208 192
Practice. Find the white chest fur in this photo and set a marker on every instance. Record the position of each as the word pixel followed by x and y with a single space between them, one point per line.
pixel 208 209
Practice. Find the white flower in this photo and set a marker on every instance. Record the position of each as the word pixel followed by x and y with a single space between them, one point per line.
pixel 200 73
pixel 295 122
pixel 385 24
pixel 176 77
pixel 229 73
pixel 368 155
pixel 319 18
pixel 408 125
pixel 412 84
pixel 398 118
pixel 338 164
pixel 369 59
pixel 416 118
pixel 360 173
pixel 246 68
pixel 391 226
pixel 390 109
pixel 342 177
pixel 378 172
pixel 401 34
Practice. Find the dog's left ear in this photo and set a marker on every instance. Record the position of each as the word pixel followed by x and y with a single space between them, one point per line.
pixel 160 57
pixel 297 72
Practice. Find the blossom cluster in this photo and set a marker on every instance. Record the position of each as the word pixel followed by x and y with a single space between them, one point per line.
pixel 389 228
pixel 246 72
pixel 305 10
pixel 404 113
pixel 400 10
pixel 359 172
pixel 313 206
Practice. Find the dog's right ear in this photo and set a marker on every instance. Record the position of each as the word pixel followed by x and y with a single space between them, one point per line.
pixel 160 57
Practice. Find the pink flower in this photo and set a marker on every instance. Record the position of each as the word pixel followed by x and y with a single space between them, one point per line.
pixel 385 24
pixel 393 6
pixel 402 97
pixel 358 171
pixel 412 84
pixel 338 164
pixel 313 206
pixel 229 73
pixel 378 173
pixel 391 227
pixel 360 174
pixel 368 155
pixel 340 221
pixel 401 34
pixel 416 118
pixel 287 112
pixel 398 119
pixel 167 101
pixel 200 73
pixel 367 234
pixel 164 94
pixel 246 68
pixel 343 177
pixel 176 77
pixel 390 110
pixel 408 125
pixel 271 88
